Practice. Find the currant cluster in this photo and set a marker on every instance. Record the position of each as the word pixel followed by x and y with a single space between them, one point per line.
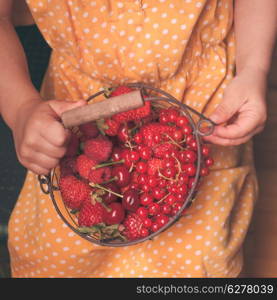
pixel 133 172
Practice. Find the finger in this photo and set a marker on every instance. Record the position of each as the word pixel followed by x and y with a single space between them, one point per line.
pixel 55 134
pixel 44 161
pixel 50 149
pixel 60 106
pixel 226 109
pixel 242 126
pixel 231 142
pixel 226 142
pixel 38 170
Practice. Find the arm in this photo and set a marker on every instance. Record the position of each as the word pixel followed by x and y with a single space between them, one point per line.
pixel 40 139
pixel 243 108
pixel 16 88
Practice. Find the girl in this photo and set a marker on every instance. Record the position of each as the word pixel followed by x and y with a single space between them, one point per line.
pixel 187 48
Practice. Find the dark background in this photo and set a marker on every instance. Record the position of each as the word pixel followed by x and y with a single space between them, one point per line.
pixel 12 174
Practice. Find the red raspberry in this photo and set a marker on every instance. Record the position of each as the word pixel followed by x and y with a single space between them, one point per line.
pixel 89 130
pixel 74 191
pixel 98 149
pixel 133 224
pixel 91 214
pixel 84 165
pixel 72 146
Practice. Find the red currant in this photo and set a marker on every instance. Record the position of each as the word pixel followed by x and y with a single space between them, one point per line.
pixel 158 193
pixel 172 114
pixel 155 227
pixel 170 199
pixel 162 183
pixel 142 212
pixel 177 135
pixel 189 169
pixel 205 150
pixel 166 209
pixel 157 138
pixel 192 144
pixel 153 209
pixel 204 171
pixel 182 121
pixel 138 138
pixel 141 167
pixel 183 178
pixel 169 172
pixel 144 232
pixel 145 152
pixel 180 197
pixel 182 189
pixel 146 199
pixel 162 220
pixel 152 181
pixel 147 222
pixel 209 162
pixel 188 156
pixel 163 118
pixel 186 129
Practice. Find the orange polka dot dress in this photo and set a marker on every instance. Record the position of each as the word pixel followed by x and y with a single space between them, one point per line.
pixel 184 47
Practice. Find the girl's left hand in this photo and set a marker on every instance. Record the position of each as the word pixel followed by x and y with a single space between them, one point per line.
pixel 242 112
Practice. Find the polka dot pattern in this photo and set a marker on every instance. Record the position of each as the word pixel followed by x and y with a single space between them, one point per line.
pixel 184 47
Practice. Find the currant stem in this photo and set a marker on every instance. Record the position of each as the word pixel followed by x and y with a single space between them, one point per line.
pixel 161 200
pixel 164 177
pixel 174 142
pixel 179 168
pixel 96 185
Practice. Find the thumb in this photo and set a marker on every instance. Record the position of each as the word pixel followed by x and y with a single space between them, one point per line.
pixel 225 110
pixel 60 106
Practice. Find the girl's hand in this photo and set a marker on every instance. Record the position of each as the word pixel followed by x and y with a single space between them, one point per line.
pixel 242 112
pixel 40 138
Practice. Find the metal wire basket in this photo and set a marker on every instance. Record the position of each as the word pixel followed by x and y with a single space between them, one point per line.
pixel 201 125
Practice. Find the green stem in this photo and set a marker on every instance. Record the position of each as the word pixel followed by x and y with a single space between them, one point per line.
pixel 109 163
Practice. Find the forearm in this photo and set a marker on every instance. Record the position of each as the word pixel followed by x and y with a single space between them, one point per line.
pixel 16 89
pixel 255 31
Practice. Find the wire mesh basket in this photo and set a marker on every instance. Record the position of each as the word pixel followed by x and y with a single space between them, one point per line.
pixel 200 125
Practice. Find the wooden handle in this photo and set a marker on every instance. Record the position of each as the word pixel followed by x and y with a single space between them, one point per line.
pixel 103 109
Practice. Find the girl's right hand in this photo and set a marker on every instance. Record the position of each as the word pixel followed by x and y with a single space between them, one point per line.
pixel 40 138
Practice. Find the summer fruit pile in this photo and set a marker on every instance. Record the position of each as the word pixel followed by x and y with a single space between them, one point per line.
pixel 127 176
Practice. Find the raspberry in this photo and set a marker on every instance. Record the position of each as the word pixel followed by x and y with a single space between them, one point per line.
pixel 91 214
pixel 67 166
pixel 89 130
pixel 72 146
pixel 74 191
pixel 133 224
pixel 98 149
pixel 84 165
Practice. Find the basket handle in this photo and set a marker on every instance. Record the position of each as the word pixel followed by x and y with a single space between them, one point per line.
pixel 103 109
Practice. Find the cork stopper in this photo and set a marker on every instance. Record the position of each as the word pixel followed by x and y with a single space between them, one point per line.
pixel 103 109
